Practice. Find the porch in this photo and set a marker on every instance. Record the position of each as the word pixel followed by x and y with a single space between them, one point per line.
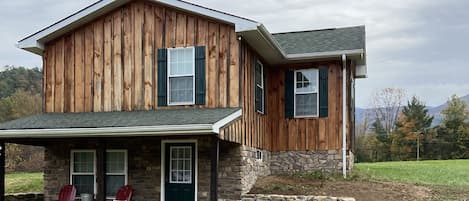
pixel 162 164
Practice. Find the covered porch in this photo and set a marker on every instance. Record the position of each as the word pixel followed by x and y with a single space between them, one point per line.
pixel 99 152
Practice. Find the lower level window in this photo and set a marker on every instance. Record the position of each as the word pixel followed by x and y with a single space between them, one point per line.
pixel 116 171
pixel 83 171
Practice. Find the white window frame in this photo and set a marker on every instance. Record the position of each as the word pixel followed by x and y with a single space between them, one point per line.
pixel 295 93
pixel 261 86
pixel 72 173
pixel 175 76
pixel 126 173
pixel 171 165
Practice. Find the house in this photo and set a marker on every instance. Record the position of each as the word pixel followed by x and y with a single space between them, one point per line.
pixel 185 102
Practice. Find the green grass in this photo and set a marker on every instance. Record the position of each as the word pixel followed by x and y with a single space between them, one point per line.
pixel 23 182
pixel 453 173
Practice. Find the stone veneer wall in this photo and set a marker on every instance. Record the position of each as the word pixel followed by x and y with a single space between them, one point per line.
pixel 25 197
pixel 239 169
pixel 285 162
pixel 144 165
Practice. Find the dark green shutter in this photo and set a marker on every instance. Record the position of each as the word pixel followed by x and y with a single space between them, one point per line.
pixel 289 94
pixel 265 91
pixel 323 92
pixel 162 77
pixel 200 75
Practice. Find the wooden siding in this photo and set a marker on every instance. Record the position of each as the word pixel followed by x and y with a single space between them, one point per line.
pixel 272 130
pixel 110 63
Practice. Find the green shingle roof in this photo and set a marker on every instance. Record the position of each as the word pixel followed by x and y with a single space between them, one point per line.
pixel 119 119
pixel 326 40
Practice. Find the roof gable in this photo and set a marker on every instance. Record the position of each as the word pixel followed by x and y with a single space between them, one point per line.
pixel 35 42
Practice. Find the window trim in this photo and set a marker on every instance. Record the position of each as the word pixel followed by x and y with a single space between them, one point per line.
pixel 72 159
pixel 296 93
pixel 126 168
pixel 262 87
pixel 168 90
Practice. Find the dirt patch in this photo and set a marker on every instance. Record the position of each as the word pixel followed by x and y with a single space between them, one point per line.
pixel 360 190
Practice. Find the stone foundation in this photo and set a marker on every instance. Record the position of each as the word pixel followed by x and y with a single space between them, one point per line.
pixel 239 169
pixel 25 197
pixel 262 197
pixel 286 162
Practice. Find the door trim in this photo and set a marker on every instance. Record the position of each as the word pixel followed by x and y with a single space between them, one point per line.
pixel 163 155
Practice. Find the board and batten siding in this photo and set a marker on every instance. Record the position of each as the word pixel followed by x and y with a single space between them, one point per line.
pixel 110 64
pixel 272 130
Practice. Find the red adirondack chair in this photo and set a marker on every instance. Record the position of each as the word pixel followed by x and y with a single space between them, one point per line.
pixel 124 193
pixel 67 193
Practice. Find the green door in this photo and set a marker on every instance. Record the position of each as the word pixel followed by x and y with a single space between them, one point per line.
pixel 180 172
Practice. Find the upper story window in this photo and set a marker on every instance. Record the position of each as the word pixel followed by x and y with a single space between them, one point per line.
pixel 181 76
pixel 306 93
pixel 259 87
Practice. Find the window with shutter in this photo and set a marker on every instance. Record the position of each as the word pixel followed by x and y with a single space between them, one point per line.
pixel 306 84
pixel 181 76
pixel 259 87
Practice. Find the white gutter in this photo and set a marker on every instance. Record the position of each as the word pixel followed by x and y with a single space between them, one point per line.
pixel 187 129
pixel 344 115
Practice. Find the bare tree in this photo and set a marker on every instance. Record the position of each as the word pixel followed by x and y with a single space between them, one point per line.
pixel 387 104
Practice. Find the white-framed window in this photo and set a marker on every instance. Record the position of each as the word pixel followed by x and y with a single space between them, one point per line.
pixel 116 171
pixel 259 87
pixel 181 76
pixel 180 166
pixel 306 93
pixel 83 171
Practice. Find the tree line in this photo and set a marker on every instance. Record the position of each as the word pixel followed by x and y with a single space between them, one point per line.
pixel 393 131
pixel 20 96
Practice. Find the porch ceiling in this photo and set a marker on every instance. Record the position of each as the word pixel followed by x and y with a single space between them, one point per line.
pixel 138 123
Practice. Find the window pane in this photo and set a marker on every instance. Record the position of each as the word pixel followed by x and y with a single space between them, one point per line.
pixel 181 61
pixel 113 183
pixel 258 74
pixel 306 81
pixel 306 104
pixel 258 99
pixel 181 89
pixel 83 183
pixel 115 162
pixel 83 162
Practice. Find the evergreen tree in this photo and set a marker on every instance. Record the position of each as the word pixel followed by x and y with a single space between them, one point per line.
pixel 454 129
pixel 412 127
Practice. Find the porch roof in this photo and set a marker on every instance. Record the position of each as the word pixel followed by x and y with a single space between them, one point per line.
pixel 154 122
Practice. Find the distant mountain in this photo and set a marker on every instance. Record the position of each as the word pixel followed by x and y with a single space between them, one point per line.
pixel 435 111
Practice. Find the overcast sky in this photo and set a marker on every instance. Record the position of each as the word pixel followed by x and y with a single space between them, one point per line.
pixel 418 45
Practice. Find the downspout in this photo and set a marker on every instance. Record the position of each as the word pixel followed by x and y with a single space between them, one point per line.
pixel 344 115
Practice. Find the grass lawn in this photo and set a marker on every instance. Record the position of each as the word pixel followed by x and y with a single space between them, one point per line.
pixel 23 182
pixel 454 173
